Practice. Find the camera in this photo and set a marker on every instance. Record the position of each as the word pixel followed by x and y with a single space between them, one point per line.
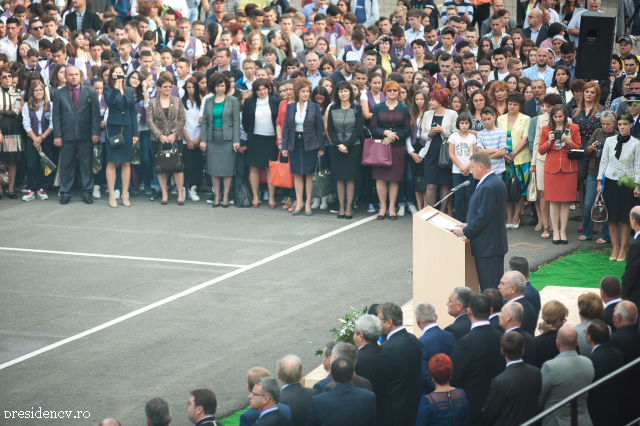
pixel 387 39
pixel 557 134
pixel 120 77
pixel 599 146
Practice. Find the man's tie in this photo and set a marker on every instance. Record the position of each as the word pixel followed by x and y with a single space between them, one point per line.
pixel 74 98
pixel 635 130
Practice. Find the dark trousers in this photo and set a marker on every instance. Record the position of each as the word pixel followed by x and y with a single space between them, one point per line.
pixel 490 270
pixel 462 196
pixel 193 167
pixel 480 14
pixel 83 151
pixel 35 177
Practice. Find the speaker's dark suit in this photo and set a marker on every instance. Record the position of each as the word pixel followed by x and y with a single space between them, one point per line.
pixel 529 347
pixel 273 418
pixel 607 316
pixel 495 323
pixel 403 395
pixel 434 341
pixel 476 362
pixel 529 317
pixel 346 405
pixel 530 108
pixel 374 365
pixel 627 340
pixel 485 228
pixel 542 35
pixel 460 326
pixel 250 417
pixel 604 401
pixel 513 396
pixel 359 382
pixel 631 276
pixel 91 21
pixel 298 399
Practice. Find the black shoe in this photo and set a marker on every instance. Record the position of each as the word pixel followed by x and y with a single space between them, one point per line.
pixel 348 217
pixel 533 222
pixel 88 199
pixel 556 242
pixel 64 199
pixel 215 205
pixel 565 242
pixel 340 216
pixel 12 195
pixel 0 196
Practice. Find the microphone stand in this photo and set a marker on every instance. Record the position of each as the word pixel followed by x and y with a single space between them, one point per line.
pixel 447 196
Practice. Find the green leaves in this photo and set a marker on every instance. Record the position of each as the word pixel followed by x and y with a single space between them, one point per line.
pixel 344 334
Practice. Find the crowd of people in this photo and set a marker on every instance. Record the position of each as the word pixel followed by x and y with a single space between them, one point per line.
pixel 486 368
pixel 435 85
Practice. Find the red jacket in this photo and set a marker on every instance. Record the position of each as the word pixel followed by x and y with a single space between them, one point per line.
pixel 557 159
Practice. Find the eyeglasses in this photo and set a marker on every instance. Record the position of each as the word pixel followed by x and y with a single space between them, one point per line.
pixel 392 90
pixel 37 28
pixel 257 394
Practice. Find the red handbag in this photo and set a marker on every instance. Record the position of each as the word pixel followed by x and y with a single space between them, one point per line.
pixel 281 175
pixel 376 154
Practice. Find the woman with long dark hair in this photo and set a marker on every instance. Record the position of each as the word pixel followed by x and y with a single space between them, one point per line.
pixel 191 135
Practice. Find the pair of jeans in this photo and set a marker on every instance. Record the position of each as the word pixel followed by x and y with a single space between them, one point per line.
pixel 193 14
pixel 146 158
pixel 406 184
pixel 590 193
pixel 35 177
pixel 462 196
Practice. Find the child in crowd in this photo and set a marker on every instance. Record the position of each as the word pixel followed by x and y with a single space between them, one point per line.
pixel 462 145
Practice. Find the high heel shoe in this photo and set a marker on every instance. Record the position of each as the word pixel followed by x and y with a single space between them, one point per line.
pixel 126 202
pixel 113 203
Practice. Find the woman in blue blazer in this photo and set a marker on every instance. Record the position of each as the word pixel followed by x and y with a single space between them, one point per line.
pixel 122 118
pixel 303 140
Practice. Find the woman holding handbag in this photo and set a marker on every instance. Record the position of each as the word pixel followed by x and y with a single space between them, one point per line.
pixel 166 119
pixel 220 136
pixel 620 159
pixel 122 123
pixel 560 173
pixel 286 93
pixel 437 125
pixel 303 141
pixel 391 122
pixel 345 123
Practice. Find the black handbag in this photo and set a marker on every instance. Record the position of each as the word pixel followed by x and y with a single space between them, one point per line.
pixel 576 154
pixel 321 179
pixel 169 161
pixel 513 189
pixel 5 179
pixel 242 197
pixel 419 184
pixel 599 211
pixel 117 140
pixel 444 161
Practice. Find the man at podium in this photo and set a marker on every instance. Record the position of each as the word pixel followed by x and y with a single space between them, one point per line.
pixel 485 225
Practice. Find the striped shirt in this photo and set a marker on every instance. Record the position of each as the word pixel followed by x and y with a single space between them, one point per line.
pixel 493 139
pixel 463 7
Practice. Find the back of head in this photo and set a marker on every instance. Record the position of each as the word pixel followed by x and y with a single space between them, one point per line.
pixel 512 344
pixel 517 280
pixel 480 307
pixel 290 369
pixel 627 311
pixel 391 311
pixel 481 158
pixel 590 306
pixel 519 264
pixel 496 299
pixel 598 331
pixel 425 312
pixel 157 412
pixel 463 295
pixel 342 370
pixel 567 338
pixel 345 350
pixel 206 399
pixel 369 326
pixel 256 373
pixel 553 315
pixel 440 368
pixel 610 286
pixel 515 310
pixel 270 387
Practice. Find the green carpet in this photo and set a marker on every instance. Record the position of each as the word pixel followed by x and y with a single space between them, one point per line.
pixel 234 419
pixel 584 268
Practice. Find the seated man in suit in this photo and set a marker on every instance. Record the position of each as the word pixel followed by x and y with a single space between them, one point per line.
pixel 457 305
pixel 264 399
pixel 250 417
pixel 511 320
pixel 346 405
pixel 512 287
pixel 563 376
pixel 326 364
pixel 433 341
pixel 373 361
pixel 347 350
pixel 476 357
pixel 627 339
pixel 610 294
pixel 513 395
pixel 531 294
pixel 604 401
pixel 497 301
pixel 202 407
pixel 293 394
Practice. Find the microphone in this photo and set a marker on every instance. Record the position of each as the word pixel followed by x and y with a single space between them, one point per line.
pixel 462 185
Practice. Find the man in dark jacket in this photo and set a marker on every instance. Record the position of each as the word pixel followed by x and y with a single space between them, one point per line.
pixel 88 19
pixel 627 340
pixel 264 399
pixel 433 341
pixel 298 398
pixel 512 286
pixel 610 294
pixel 511 320
pixel 631 276
pixel 457 305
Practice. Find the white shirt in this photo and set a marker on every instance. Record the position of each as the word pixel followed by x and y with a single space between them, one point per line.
pixel 479 323
pixel 516 361
pixel 263 125
pixel 610 302
pixel 636 235
pixel 515 298
pixel 483 178
pixel 500 76
pixel 9 49
pixel 300 116
pixel 207 96
pixel 26 119
pixel 192 127
pixel 428 327
pixel 129 68
pixel 391 333
pixel 358 52
pixel 268 410
pixel 199 50
pixel 594 348
pixel 494 315
pixel 179 5
pixel 511 329
pixel 181 84
pixel 553 17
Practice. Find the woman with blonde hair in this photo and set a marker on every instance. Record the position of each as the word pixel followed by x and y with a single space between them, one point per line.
pixel 590 307
pixel 554 315
pixel 254 45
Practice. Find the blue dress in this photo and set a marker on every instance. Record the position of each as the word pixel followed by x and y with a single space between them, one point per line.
pixel 122 118
pixel 435 409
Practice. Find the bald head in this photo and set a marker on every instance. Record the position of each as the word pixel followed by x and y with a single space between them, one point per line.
pixel 567 339
pixel 515 310
pixel 109 422
pixel 625 313
pixel 72 74
pixel 290 369
pixel 634 217
pixel 536 13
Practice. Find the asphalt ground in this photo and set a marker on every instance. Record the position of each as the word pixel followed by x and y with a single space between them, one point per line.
pixel 157 328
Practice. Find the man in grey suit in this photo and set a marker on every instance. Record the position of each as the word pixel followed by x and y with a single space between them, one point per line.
pixel 563 376
pixel 76 118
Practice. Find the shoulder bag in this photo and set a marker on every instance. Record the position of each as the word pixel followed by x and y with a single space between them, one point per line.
pixel 281 175
pixel 169 161
pixel 5 179
pixel 576 154
pixel 321 179
pixel 376 154
pixel 444 161
pixel 242 196
pixel 117 140
pixel 599 211
pixel 532 191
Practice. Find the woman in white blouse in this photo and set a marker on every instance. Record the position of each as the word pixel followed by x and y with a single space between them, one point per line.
pixel 620 164
pixel 191 137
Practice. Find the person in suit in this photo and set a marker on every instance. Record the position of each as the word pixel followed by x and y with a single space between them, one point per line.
pixel 406 365
pixel 604 401
pixel 346 405
pixel 536 31
pixel 532 106
pixel 201 407
pixel 513 394
pixel 610 294
pixel 433 341
pixel 531 294
pixel 298 398
pixel 250 417
pixel 326 364
pixel 476 357
pixel 157 412
pixel 497 302
pixel 563 376
pixel 590 307
pixel 631 277
pixel 627 339
pixel 485 222
pixel 512 287
pixel 89 19
pixel 374 363
pixel 511 320
pixel 76 115
pixel 264 399
pixel 457 305
pixel 347 350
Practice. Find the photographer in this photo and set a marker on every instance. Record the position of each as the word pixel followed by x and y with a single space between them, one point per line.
pixel 382 46
pixel 593 151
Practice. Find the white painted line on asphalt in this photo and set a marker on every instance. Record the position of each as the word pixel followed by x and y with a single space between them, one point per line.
pixel 112 256
pixel 185 293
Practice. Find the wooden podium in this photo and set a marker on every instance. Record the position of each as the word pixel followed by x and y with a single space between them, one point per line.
pixel 441 262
